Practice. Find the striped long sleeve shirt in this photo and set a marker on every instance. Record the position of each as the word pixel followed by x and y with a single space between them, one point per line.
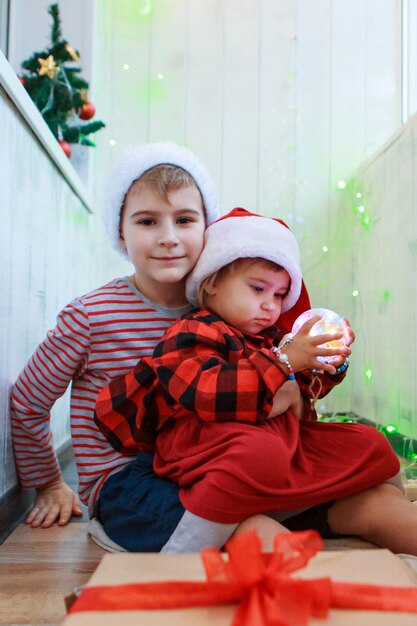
pixel 98 337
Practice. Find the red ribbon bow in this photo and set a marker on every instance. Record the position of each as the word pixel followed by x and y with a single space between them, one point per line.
pixel 267 593
pixel 260 582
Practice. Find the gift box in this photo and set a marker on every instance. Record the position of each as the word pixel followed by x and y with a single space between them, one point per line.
pixel 244 587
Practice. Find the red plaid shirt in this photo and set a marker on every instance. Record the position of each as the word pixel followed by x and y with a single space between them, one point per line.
pixel 202 368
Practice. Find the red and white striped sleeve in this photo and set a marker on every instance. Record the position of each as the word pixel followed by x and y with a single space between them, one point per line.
pixel 63 354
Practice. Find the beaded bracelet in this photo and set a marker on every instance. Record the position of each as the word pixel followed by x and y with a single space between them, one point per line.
pixel 283 358
pixel 342 368
pixel 339 370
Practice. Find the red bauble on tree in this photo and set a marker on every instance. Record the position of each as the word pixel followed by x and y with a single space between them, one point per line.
pixel 66 147
pixel 22 80
pixel 87 111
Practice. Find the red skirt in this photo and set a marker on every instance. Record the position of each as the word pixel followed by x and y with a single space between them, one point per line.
pixel 231 470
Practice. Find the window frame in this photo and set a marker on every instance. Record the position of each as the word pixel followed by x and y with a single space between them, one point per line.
pixel 4 26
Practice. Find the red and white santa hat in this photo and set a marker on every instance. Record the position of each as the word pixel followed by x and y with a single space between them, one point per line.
pixel 241 234
pixel 134 162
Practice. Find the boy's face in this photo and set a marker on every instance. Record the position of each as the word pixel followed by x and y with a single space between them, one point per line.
pixel 162 238
pixel 250 297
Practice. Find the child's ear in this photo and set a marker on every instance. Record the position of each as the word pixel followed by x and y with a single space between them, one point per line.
pixel 122 240
pixel 210 289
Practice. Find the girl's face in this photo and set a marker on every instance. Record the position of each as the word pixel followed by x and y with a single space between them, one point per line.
pixel 163 240
pixel 250 297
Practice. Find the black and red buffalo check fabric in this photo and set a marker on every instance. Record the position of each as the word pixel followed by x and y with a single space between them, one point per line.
pixel 202 367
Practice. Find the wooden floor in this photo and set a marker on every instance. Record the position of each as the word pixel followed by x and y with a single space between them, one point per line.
pixel 40 567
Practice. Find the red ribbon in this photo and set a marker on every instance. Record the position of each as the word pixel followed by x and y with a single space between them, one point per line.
pixel 261 584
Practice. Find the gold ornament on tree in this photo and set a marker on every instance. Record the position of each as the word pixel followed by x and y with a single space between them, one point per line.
pixel 48 67
pixel 53 80
pixel 72 52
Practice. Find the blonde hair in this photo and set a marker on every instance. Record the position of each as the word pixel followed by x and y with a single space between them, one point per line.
pixel 162 180
pixel 203 296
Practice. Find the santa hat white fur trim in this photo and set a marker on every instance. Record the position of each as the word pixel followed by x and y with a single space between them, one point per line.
pixel 250 236
pixel 135 162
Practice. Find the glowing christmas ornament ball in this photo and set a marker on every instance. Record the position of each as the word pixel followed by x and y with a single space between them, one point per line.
pixel 330 322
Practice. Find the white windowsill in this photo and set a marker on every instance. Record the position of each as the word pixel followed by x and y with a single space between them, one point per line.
pixel 16 92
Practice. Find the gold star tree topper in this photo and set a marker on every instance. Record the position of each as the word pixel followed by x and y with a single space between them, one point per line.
pixel 48 67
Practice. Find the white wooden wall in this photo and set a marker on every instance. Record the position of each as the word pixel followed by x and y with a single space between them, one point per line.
pixel 48 252
pixel 381 263
pixel 280 98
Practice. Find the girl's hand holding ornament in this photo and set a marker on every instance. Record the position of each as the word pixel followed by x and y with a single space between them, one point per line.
pixel 320 340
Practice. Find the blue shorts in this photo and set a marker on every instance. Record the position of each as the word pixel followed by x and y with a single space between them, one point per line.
pixel 314 518
pixel 139 510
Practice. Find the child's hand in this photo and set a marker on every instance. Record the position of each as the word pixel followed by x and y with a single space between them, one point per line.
pixel 304 349
pixel 57 501
pixel 286 396
pixel 350 338
pixel 349 332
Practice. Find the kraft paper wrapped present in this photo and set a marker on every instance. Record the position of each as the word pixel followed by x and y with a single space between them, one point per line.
pixel 295 585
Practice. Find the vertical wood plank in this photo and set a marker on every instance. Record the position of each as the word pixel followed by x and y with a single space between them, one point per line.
pixel 167 72
pixel 277 108
pixel 240 124
pixel 204 83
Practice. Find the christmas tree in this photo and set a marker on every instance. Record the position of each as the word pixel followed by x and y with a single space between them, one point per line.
pixel 52 79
